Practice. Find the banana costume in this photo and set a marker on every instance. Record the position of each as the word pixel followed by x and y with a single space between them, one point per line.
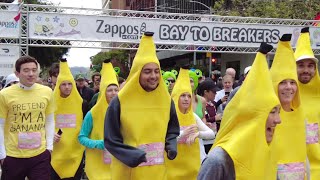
pixel 243 130
pixel 187 163
pixel 290 136
pixel 97 160
pixel 68 152
pixel 141 125
pixel 310 98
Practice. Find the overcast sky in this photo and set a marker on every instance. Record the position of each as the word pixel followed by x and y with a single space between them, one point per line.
pixel 79 56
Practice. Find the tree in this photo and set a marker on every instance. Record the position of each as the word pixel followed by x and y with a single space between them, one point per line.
pixel 46 55
pixel 119 58
pixel 292 9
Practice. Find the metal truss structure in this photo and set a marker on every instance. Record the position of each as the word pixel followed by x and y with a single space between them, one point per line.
pixel 24 41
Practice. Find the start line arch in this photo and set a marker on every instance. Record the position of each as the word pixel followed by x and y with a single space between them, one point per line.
pixel 27 25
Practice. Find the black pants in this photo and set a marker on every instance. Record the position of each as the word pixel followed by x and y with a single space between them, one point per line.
pixel 207 148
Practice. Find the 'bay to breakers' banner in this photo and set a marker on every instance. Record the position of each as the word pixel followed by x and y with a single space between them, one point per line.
pixel 124 29
pixel 9 24
pixel 8 56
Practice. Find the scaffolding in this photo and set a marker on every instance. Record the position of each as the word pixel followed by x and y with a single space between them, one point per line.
pixel 24 41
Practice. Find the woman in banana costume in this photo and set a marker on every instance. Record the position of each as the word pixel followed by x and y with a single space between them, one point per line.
pixel 242 147
pixel 98 159
pixel 290 136
pixel 66 157
pixel 309 87
pixel 188 161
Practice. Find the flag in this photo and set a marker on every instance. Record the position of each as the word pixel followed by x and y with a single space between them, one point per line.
pixel 18 16
pixel 317 18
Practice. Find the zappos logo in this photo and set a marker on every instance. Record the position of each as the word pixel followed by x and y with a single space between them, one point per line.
pixel 121 31
pixel 8 24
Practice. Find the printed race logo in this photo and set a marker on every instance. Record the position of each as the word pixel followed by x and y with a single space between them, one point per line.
pixel 121 31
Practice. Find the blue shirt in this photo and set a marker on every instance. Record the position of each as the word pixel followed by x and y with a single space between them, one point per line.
pixel 85 132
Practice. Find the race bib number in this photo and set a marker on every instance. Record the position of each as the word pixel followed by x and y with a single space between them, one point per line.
pixel 154 153
pixel 312 133
pixel 106 157
pixel 29 140
pixel 291 171
pixel 66 121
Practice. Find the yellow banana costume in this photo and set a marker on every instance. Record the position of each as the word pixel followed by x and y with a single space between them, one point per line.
pixel 68 152
pixel 187 164
pixel 310 98
pixel 96 168
pixel 139 123
pixel 290 136
pixel 242 133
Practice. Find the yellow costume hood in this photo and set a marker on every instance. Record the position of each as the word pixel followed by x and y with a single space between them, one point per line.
pixel 95 167
pixel 182 86
pixel 144 115
pixel 187 163
pixel 290 137
pixel 304 51
pixel 284 67
pixel 67 153
pixel 65 75
pixel 108 77
pixel 145 54
pixel 310 98
pixel 243 130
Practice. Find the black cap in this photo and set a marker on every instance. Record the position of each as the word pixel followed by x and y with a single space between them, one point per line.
pixel 207 85
pixel 148 33
pixel 186 66
pixel 63 60
pixel 107 60
pixel 286 37
pixel 305 30
pixel 265 48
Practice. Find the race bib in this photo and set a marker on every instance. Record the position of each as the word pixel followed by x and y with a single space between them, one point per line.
pixel 154 153
pixel 66 121
pixel 291 171
pixel 106 157
pixel 312 133
pixel 29 140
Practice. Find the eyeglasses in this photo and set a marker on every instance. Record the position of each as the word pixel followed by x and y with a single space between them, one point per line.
pixel 171 80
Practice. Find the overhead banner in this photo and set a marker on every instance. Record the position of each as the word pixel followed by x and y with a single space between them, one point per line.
pixel 183 32
pixel 9 24
pixel 8 56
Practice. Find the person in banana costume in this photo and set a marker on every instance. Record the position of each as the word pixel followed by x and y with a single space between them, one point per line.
pixel 187 163
pixel 241 150
pixel 67 154
pixel 141 124
pixel 290 136
pixel 98 159
pixel 309 87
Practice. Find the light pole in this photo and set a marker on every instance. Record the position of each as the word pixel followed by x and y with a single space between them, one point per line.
pixel 209 8
pixel 210 12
